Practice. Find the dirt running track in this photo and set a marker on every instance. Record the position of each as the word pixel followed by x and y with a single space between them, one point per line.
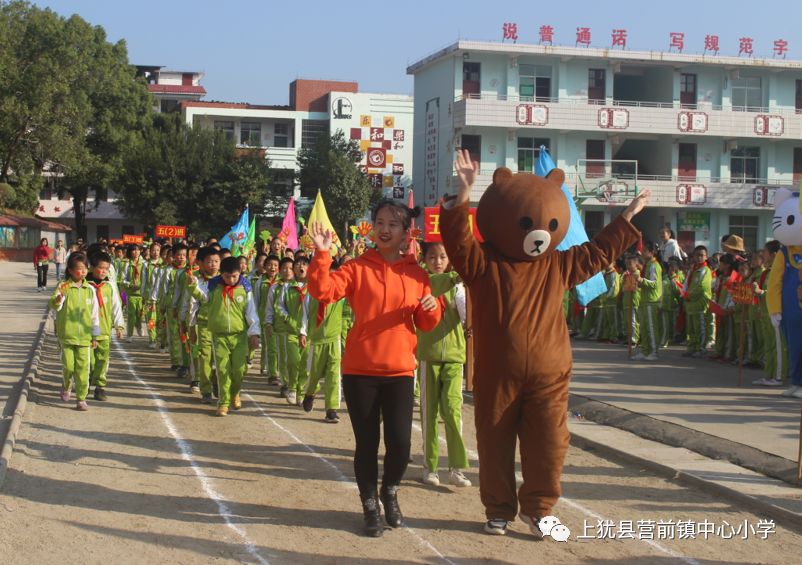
pixel 151 476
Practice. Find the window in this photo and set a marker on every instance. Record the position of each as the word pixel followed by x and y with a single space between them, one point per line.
pixel 47 191
pixel 529 152
pixel 29 237
pixel 311 130
pixel 597 86
pixel 250 133
pixel 226 127
pixel 471 79
pixel 745 164
pixel 798 98
pixel 186 79
pixel 169 106
pixel 473 143
pixel 281 135
pixel 746 227
pixel 534 82
pixel 687 89
pixel 747 95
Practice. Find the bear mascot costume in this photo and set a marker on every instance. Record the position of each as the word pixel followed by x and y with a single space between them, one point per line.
pixel 523 354
pixel 783 298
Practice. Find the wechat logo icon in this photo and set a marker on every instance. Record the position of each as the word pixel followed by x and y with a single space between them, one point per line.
pixel 551 526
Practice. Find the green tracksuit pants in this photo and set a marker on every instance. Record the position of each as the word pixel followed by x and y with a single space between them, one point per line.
pixel 589 323
pixel 668 324
pixel 649 322
pixel 775 353
pixel 631 325
pixel 323 362
pixel 231 356
pixel 726 344
pixel 76 361
pixel 100 362
pixel 150 321
pixel 134 320
pixel 441 392
pixel 292 359
pixel 698 328
pixel 178 352
pixel 608 323
pixel 204 361
pixel 269 355
pixel 162 328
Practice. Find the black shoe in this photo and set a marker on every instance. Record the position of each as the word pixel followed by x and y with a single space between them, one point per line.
pixel 215 390
pixel 206 398
pixel 372 515
pixel 392 512
pixel 173 367
pixel 332 417
pixel 273 381
pixel 308 403
pixel 282 392
pixel 100 393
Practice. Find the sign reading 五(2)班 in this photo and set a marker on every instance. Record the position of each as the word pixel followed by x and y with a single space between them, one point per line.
pixel 171 231
pixel 431 227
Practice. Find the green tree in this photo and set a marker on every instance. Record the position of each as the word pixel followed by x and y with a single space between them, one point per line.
pixel 331 166
pixel 176 174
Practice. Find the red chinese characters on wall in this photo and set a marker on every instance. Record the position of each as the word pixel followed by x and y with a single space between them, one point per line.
pixel 711 44
pixel 510 31
pixel 546 35
pixel 745 46
pixel 620 38
pixel 780 48
pixel 677 41
pixel 583 36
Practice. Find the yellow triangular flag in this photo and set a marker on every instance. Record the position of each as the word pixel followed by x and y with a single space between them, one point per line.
pixel 318 214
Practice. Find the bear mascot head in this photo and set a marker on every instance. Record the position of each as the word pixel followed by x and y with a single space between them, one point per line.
pixel 535 214
pixel 787 222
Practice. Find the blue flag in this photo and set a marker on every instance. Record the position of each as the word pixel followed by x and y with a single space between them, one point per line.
pixel 576 234
pixel 236 238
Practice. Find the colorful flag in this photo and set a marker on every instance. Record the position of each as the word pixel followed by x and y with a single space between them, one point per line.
pixel 414 246
pixel 235 238
pixel 250 240
pixel 319 214
pixel 576 234
pixel 289 227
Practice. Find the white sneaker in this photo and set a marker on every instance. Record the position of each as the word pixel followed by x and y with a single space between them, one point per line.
pixel 152 345
pixel 651 357
pixel 431 479
pixel 162 350
pixel 291 397
pixel 766 382
pixel 129 339
pixel 774 382
pixel 638 356
pixel 797 393
pixel 533 524
pixel 458 479
pixel 790 390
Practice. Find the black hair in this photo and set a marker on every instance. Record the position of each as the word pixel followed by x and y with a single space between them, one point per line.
pixel 651 246
pixel 285 260
pixel 179 246
pixel 727 259
pixel 230 265
pixel 76 257
pixel 211 241
pixel 216 246
pixel 428 245
pixel 205 252
pixel 773 246
pixel 272 257
pixel 725 237
pixel 407 214
pixel 300 260
pixel 130 250
pixel 700 248
pixel 193 245
pixel 154 244
pixel 100 257
pixel 260 254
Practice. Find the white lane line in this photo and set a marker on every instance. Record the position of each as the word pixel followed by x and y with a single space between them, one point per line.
pixel 186 454
pixel 577 506
pixel 340 475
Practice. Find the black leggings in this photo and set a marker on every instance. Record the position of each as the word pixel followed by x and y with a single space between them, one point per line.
pixel 41 275
pixel 371 399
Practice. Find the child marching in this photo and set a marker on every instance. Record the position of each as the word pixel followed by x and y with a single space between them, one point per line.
pixel 111 319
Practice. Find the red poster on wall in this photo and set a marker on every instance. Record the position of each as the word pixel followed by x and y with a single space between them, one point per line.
pixel 431 225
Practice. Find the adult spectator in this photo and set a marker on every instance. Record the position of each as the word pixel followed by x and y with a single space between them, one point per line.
pixel 41 261
pixel 668 246
pixel 60 258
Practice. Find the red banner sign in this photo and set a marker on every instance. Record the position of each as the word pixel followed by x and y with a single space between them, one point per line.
pixel 133 239
pixel 431 227
pixel 171 231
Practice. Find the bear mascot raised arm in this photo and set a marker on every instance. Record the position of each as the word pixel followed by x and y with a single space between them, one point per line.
pixel 783 298
pixel 523 354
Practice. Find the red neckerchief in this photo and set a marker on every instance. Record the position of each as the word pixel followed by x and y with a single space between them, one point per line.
pixel 135 266
pixel 301 290
pixel 321 312
pixel 98 292
pixel 228 291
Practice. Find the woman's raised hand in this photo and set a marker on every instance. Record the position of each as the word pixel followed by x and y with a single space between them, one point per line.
pixel 321 236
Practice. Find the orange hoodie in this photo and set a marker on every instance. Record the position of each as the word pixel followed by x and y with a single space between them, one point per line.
pixel 385 299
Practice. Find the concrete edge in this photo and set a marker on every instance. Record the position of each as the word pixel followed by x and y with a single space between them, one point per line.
pixel 787 518
pixel 22 401
pixel 676 435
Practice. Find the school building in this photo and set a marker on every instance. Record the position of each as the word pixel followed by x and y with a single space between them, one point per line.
pixel 380 123
pixel 711 136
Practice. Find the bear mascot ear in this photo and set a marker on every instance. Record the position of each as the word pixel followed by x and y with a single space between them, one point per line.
pixel 502 175
pixel 557 176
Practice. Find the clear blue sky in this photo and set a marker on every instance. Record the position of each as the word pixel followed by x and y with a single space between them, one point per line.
pixel 251 50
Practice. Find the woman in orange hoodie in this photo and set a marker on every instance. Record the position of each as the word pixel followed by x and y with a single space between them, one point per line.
pixel 391 297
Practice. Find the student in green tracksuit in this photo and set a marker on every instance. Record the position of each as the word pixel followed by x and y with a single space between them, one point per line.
pixel 149 306
pixel 77 327
pixel 290 310
pixel 156 295
pixel 651 291
pixel 179 357
pixel 630 299
pixel 592 315
pixel 262 291
pixel 775 353
pixel 607 326
pixel 671 303
pixel 322 329
pixel 726 340
pixel 697 292
pixel 132 282
pixel 754 342
pixel 111 318
pixel 441 360
pixel 197 318
pixel 234 325
pixel 186 369
pixel 276 327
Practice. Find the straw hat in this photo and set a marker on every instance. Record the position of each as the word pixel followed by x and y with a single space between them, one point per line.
pixel 734 243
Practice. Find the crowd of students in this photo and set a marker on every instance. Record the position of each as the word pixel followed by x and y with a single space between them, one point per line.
pixel 377 317
pixel 697 301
